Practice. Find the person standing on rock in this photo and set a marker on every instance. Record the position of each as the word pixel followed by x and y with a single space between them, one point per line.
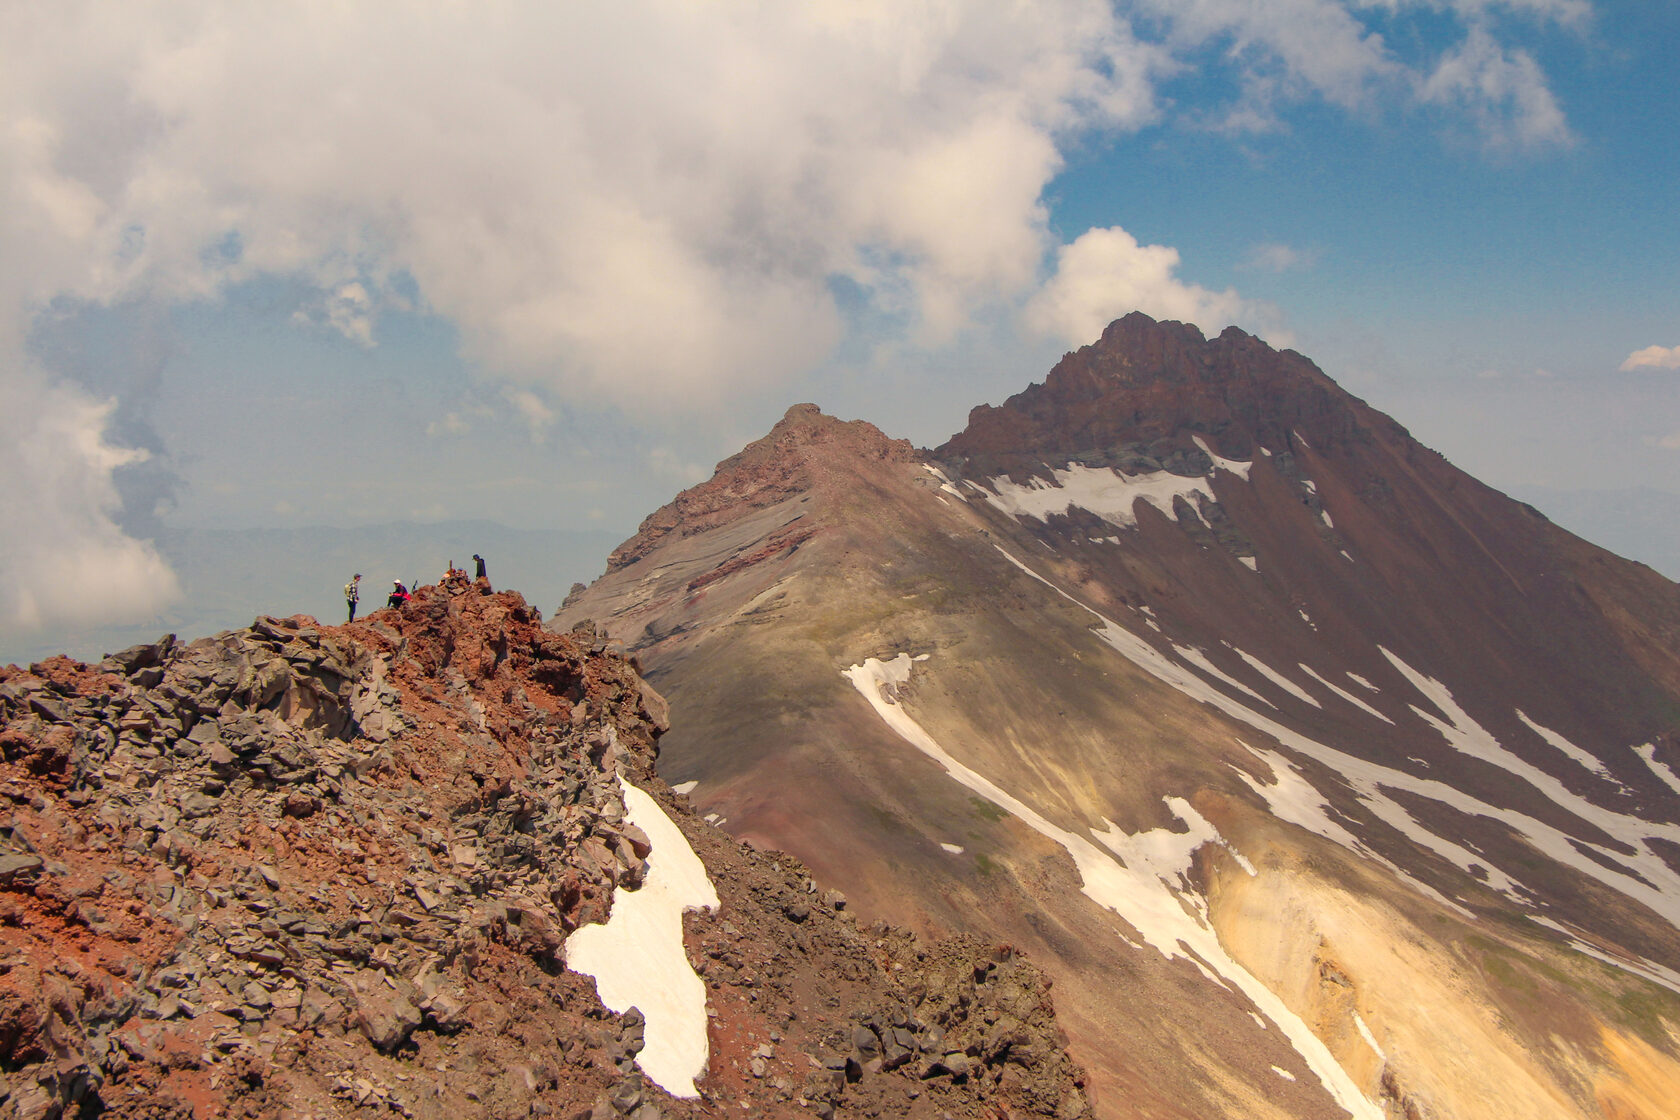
pixel 353 595
pixel 478 562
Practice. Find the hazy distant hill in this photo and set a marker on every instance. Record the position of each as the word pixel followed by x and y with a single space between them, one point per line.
pixel 230 576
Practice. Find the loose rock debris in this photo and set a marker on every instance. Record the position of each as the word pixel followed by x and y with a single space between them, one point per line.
pixel 302 871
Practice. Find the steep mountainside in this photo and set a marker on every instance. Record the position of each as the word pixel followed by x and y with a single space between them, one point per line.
pixel 1324 779
pixel 309 871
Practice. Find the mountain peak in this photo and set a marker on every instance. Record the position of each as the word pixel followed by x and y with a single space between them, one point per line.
pixel 785 462
pixel 1149 385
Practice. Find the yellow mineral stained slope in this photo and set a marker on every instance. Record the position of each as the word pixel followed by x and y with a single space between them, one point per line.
pixel 1409 1018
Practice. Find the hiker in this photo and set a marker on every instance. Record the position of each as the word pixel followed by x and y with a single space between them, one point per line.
pixel 479 562
pixel 353 595
pixel 399 594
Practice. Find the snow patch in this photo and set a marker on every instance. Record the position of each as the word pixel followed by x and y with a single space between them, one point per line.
pixel 1252 562
pixel 1283 1073
pixel 1370 1039
pixel 1589 761
pixel 1324 514
pixel 1648 752
pixel 685 788
pixel 1362 682
pixel 1278 678
pixel 637 958
pixel 1240 469
pixel 1199 659
pixel 1344 694
pixel 1109 493
pixel 954 849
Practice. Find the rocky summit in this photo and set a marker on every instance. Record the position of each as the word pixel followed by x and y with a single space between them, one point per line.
pixel 1322 779
pixel 310 871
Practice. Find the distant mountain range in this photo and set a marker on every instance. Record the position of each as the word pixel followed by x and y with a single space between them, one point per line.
pixel 230 576
pixel 1324 779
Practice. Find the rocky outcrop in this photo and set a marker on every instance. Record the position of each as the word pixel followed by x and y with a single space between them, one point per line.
pixel 1130 399
pixel 304 870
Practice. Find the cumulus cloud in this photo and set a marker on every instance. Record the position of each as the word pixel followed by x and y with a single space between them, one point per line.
pixel 634 231
pixel 62 553
pixel 1653 357
pixel 1105 273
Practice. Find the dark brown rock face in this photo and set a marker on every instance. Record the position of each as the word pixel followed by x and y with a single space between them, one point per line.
pixel 1148 385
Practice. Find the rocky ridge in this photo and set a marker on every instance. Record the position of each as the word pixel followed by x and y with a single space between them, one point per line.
pixel 305 871
pixel 784 464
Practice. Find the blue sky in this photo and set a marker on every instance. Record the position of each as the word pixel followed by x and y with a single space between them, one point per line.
pixel 547 265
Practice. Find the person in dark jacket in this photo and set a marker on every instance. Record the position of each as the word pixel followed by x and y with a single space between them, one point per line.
pixel 353 595
pixel 478 561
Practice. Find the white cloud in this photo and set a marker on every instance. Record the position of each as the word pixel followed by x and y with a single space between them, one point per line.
pixel 452 424
pixel 61 554
pixel 1273 256
pixel 639 232
pixel 531 408
pixel 1289 48
pixel 1105 273
pixel 1653 357
pixel 1291 44
pixel 1568 13
pixel 1670 442
pixel 1503 90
